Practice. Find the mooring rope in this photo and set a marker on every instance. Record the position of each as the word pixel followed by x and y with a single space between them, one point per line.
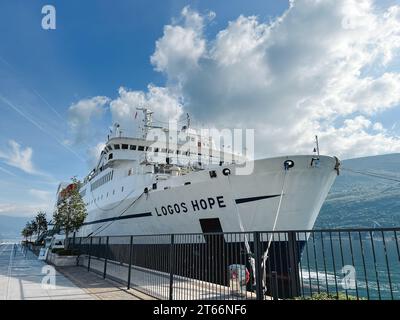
pixel 246 240
pixel 266 253
pixel 97 231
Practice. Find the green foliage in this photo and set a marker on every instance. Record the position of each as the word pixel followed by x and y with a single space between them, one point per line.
pixel 41 222
pixel 29 230
pixel 65 252
pixel 71 211
pixel 326 296
pixel 25 232
pixel 35 226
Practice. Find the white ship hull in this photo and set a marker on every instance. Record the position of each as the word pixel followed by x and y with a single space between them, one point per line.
pixel 240 202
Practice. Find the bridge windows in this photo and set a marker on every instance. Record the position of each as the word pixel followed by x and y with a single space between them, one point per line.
pixel 132 147
pixel 124 146
pixel 117 146
pixel 140 148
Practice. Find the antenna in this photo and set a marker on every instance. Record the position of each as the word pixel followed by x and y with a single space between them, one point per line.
pixel 147 120
pixel 116 130
pixel 316 142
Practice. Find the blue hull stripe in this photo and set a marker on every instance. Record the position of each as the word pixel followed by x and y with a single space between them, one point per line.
pixel 129 216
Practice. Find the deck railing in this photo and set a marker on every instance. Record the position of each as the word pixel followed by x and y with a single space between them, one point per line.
pixel 302 264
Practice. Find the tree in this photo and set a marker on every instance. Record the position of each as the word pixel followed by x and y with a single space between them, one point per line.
pixel 71 211
pixel 28 231
pixel 33 227
pixel 41 222
pixel 25 233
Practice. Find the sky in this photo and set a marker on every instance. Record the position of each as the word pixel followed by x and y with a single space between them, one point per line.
pixel 287 69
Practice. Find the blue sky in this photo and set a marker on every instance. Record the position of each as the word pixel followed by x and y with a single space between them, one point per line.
pixel 100 46
pixel 97 47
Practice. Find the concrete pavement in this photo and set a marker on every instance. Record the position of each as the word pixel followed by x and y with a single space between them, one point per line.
pixel 24 277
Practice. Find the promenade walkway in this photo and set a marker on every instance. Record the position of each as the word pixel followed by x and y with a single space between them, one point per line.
pixel 24 277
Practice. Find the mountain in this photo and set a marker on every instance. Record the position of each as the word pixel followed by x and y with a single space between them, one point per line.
pixel 10 227
pixel 360 200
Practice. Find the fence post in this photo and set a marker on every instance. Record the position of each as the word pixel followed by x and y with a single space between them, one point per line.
pixel 130 263
pixel 79 251
pixel 294 276
pixel 274 283
pixel 258 271
pixel 171 267
pixel 90 252
pixel 105 258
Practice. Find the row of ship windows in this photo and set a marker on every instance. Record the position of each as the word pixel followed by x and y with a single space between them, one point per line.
pixel 98 183
pixel 100 197
pixel 212 173
pixel 156 150
pixel 146 148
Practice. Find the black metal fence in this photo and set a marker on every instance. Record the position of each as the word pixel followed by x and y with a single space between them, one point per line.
pixel 319 264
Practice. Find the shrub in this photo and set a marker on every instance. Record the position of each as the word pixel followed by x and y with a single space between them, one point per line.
pixel 65 252
pixel 326 296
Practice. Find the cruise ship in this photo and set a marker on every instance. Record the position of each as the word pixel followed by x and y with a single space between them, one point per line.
pixel 168 181
pixel 184 183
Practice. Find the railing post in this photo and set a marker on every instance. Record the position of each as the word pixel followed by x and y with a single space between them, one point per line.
pixel 294 276
pixel 258 271
pixel 90 252
pixel 274 283
pixel 130 262
pixel 105 258
pixel 171 267
pixel 79 251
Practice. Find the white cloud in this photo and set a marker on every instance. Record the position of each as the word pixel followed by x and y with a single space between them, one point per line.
pixel 34 200
pixel 81 115
pixel 179 49
pixel 18 157
pixel 320 68
pixel 378 127
pixel 24 209
pixel 165 104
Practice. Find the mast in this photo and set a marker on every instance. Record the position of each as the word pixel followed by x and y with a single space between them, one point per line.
pixel 317 145
pixel 147 121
